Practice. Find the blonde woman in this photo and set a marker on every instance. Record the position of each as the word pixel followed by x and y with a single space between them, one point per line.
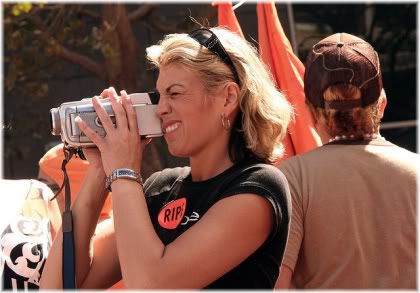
pixel 221 223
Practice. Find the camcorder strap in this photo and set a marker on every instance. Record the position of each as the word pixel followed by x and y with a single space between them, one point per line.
pixel 69 267
pixel 68 270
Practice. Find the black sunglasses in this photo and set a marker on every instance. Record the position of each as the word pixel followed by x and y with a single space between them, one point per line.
pixel 208 39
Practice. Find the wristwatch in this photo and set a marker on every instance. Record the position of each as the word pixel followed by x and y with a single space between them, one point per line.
pixel 125 174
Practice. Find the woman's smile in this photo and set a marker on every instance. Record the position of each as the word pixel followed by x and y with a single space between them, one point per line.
pixel 171 128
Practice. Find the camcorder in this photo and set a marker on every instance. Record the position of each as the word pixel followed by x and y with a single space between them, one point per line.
pixel 62 119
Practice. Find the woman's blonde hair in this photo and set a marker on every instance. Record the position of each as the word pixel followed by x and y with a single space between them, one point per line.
pixel 357 122
pixel 262 121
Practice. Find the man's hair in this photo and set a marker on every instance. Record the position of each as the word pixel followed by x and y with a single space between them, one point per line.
pixel 357 121
pixel 264 112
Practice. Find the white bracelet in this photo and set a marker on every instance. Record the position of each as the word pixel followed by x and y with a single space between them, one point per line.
pixel 125 174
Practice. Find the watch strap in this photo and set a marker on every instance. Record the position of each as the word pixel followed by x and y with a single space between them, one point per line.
pixel 123 173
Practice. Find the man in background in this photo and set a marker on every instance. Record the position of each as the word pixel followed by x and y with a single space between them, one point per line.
pixel 354 199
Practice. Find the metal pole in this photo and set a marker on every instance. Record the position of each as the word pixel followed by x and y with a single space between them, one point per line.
pixel 237 5
pixel 399 124
pixel 292 27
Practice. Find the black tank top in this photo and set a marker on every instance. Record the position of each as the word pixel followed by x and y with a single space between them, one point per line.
pixel 176 203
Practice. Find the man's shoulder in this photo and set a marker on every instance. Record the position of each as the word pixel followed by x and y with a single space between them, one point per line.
pixel 402 158
pixel 315 154
pixel 405 152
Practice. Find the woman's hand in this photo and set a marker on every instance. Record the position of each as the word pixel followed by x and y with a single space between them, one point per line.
pixel 122 146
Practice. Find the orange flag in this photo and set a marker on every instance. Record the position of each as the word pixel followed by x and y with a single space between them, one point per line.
pixel 226 16
pixel 288 71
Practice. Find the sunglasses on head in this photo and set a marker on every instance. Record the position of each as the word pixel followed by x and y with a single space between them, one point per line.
pixel 208 39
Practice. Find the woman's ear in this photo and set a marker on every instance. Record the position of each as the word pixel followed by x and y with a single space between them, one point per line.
pixel 230 98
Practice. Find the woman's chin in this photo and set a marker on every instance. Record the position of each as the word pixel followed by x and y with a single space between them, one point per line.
pixel 178 152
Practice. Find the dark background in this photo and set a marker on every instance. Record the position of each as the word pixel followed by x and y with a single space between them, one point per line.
pixel 39 74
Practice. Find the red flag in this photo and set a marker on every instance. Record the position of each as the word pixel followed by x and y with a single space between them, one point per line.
pixel 288 71
pixel 226 16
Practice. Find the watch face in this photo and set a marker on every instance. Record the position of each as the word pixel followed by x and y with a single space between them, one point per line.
pixel 125 172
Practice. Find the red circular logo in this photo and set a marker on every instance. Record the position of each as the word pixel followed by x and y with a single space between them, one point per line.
pixel 171 215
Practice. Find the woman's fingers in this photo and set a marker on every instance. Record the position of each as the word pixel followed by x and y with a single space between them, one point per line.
pixel 91 134
pixel 106 93
pixel 106 121
pixel 112 91
pixel 131 114
pixel 119 112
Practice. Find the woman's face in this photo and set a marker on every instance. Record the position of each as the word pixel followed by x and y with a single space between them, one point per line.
pixel 190 117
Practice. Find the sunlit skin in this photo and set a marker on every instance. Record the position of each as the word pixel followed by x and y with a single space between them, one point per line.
pixel 183 104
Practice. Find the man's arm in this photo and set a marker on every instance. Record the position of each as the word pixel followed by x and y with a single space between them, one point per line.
pixel 285 278
pixel 296 232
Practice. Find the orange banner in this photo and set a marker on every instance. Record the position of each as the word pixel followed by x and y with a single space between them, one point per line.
pixel 226 16
pixel 288 71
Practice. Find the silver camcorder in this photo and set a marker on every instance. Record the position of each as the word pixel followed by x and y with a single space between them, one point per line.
pixel 62 118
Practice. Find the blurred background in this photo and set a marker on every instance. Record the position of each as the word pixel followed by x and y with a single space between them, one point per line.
pixel 55 53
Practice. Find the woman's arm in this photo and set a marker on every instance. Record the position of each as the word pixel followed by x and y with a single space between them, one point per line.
pixel 54 216
pixel 226 235
pixel 85 210
pixel 105 268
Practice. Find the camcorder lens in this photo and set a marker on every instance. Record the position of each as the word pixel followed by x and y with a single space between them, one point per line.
pixel 55 121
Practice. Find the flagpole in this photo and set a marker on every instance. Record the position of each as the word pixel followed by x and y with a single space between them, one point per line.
pixel 292 28
pixel 238 4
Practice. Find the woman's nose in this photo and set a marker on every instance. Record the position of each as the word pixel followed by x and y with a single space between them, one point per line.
pixel 163 107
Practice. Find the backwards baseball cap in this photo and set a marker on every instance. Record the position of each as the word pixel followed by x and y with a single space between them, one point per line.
pixel 342 59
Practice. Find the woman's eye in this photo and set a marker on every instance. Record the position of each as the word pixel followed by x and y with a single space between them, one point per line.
pixel 174 94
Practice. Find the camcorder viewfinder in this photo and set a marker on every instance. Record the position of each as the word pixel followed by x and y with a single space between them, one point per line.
pixel 62 119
